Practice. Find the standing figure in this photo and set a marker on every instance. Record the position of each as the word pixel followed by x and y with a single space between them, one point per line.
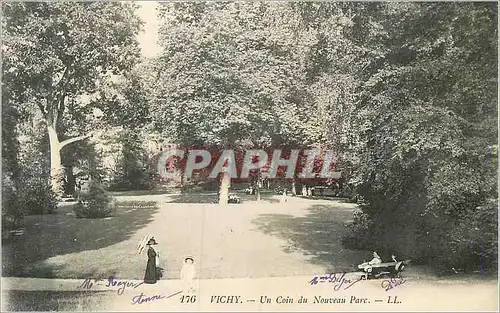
pixel 187 275
pixel 284 197
pixel 151 271
pixel 304 191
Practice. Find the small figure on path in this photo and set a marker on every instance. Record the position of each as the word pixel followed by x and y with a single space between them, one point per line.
pixel 187 275
pixel 284 198
pixel 304 191
pixel 151 275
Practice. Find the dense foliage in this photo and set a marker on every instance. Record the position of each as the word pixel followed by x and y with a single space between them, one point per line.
pixel 66 74
pixel 59 57
pixel 30 193
pixel 132 170
pixel 94 202
pixel 427 116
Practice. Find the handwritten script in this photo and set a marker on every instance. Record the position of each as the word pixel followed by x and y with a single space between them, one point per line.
pixel 338 280
pixel 142 298
pixel 388 284
pixel 88 283
pixel 139 299
pixel 121 284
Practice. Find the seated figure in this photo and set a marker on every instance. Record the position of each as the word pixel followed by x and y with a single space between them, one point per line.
pixel 376 259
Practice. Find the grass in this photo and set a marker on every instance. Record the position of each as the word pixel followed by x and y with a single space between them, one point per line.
pixel 212 197
pixel 137 204
pixel 17 300
pixel 142 192
pixel 46 236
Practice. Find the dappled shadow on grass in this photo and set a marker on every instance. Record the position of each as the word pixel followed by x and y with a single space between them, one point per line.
pixel 212 198
pixel 18 300
pixel 130 193
pixel 194 198
pixel 318 235
pixel 45 236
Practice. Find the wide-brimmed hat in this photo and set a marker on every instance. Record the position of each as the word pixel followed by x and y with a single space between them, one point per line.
pixel 152 241
pixel 188 258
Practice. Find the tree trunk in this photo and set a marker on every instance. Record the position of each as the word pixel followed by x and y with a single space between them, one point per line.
pixel 56 171
pixel 224 187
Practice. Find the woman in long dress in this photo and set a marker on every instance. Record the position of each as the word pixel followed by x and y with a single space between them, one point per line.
pixel 151 272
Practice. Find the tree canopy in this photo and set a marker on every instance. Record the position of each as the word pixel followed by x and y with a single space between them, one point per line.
pixel 59 58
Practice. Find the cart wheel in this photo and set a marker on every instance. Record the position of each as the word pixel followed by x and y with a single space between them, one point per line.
pixel 369 269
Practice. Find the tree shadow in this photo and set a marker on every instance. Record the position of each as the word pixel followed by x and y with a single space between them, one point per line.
pixel 317 235
pixel 149 192
pixel 40 301
pixel 46 236
pixel 212 198
pixel 193 198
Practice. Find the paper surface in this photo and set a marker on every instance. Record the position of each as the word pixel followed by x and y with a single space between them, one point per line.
pixel 374 102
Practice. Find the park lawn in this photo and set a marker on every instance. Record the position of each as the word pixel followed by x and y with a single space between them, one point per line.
pixel 62 235
pixel 159 191
pixel 211 197
pixel 29 301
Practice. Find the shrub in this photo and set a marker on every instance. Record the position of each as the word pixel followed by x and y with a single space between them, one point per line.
pixel 358 232
pixel 36 196
pixel 95 203
pixel 12 211
pixel 32 196
pixel 133 178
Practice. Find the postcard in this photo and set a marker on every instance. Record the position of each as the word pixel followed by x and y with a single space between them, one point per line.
pixel 249 156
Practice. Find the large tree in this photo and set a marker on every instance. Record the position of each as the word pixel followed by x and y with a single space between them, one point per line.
pixel 426 115
pixel 59 55
pixel 231 75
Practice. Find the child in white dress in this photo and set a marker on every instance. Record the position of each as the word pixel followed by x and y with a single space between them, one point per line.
pixel 187 275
